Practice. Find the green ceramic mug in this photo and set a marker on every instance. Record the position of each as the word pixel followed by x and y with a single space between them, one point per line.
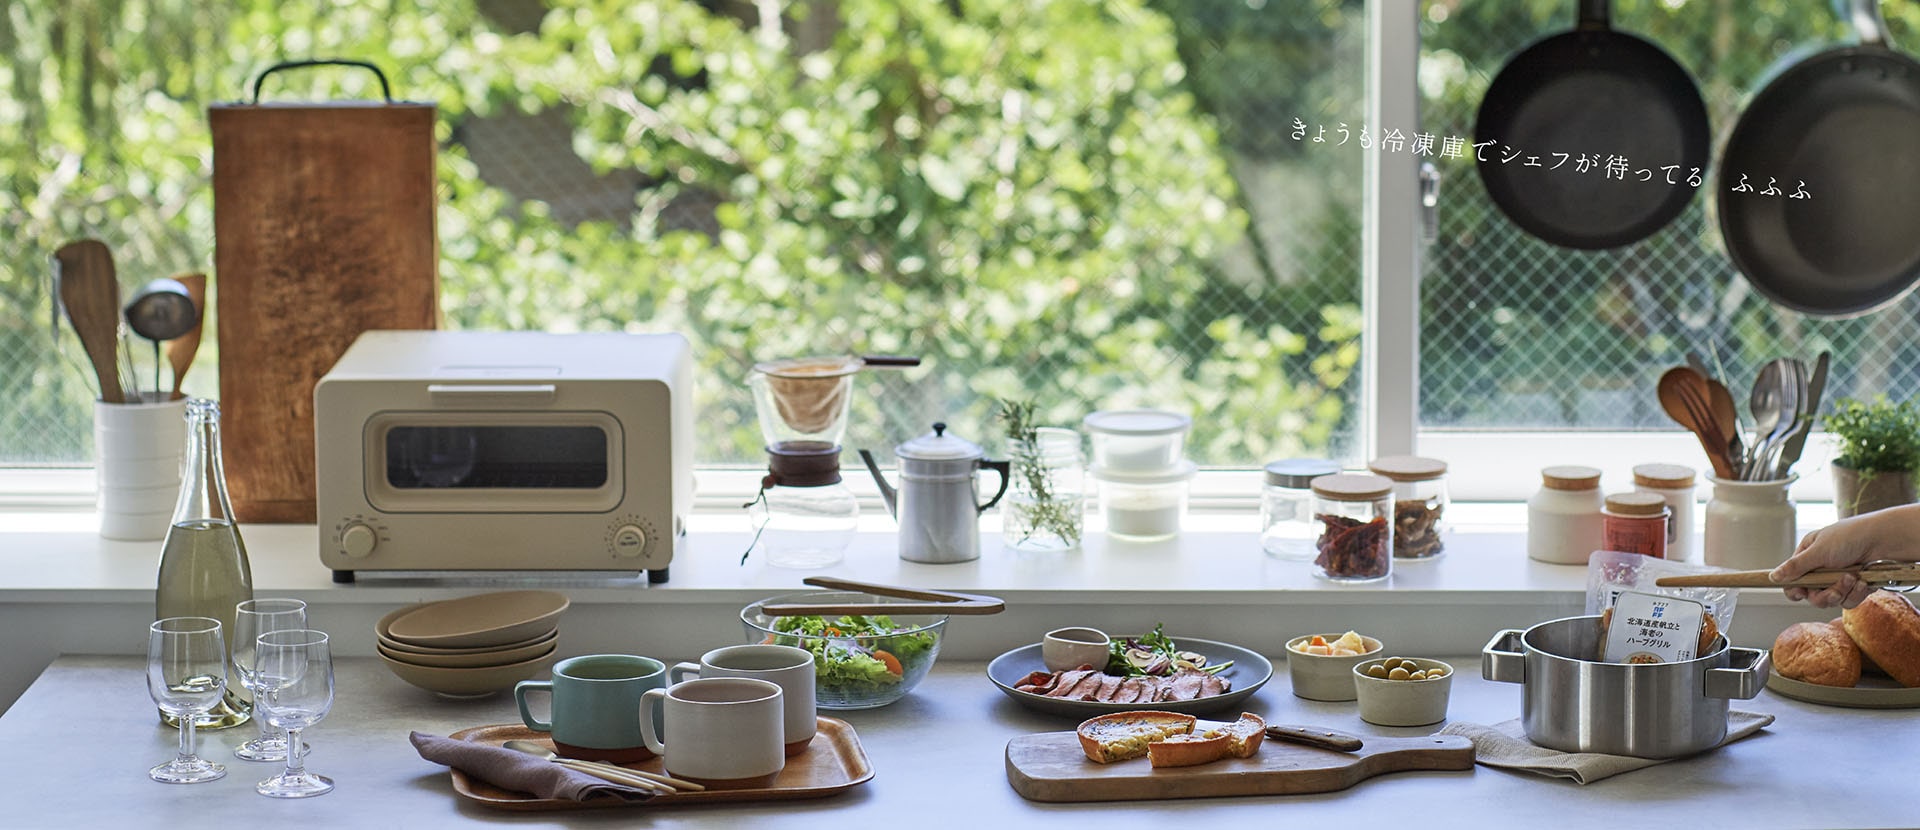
pixel 596 705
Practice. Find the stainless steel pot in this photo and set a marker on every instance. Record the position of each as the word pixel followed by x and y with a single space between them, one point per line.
pixel 1574 703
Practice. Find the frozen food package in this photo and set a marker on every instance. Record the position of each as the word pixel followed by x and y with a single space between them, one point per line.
pixel 1609 573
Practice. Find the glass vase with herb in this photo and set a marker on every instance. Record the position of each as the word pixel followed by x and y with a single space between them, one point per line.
pixel 1045 508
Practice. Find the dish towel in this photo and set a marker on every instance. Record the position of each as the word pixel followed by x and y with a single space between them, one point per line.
pixel 513 770
pixel 1506 745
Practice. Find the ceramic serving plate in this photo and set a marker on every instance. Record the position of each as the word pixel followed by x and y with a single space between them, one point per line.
pixel 1873 692
pixel 1248 673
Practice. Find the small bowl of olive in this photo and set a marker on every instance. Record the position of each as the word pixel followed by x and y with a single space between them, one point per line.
pixel 1403 691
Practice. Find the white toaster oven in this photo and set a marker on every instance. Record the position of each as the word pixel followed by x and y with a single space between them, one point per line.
pixel 445 450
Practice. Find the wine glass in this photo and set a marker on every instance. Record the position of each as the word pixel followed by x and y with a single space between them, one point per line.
pixel 186 673
pixel 253 618
pixel 293 669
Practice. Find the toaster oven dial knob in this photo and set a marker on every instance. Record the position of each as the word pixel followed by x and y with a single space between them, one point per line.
pixel 358 540
pixel 629 541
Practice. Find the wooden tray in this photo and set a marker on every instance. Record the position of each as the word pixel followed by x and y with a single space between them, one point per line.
pixel 1050 766
pixel 833 763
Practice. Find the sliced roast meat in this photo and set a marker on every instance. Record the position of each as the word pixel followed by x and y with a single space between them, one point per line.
pixel 1068 679
pixel 1186 685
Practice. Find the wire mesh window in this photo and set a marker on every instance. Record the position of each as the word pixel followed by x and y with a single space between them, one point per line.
pixel 1094 205
pixel 1517 333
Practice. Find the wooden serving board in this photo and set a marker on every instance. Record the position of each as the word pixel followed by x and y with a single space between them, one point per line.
pixel 833 763
pixel 323 225
pixel 1051 767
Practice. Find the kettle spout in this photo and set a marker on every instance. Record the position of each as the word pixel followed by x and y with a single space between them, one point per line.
pixel 887 492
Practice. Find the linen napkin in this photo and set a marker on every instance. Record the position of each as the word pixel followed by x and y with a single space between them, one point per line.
pixel 513 770
pixel 1506 745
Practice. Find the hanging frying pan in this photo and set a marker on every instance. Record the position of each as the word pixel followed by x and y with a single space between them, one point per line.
pixel 1581 94
pixel 1843 127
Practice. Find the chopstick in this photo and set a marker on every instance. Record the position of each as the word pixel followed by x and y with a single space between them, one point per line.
pixel 1881 575
pixel 633 777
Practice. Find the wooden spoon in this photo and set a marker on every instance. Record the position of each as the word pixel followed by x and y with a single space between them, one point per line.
pixel 180 350
pixel 91 295
pixel 1687 400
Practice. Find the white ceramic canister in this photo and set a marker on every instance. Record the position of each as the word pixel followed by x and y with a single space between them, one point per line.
pixel 1750 524
pixel 1673 482
pixel 1564 518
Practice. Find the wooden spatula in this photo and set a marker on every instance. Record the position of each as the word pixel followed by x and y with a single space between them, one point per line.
pixel 91 295
pixel 930 601
pixel 181 350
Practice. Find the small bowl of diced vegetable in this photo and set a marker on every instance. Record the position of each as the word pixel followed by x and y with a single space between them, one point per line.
pixel 861 661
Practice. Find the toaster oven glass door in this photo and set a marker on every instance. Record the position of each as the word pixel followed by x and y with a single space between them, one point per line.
pixel 494 462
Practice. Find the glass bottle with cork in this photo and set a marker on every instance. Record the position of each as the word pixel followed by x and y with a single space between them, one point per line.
pixel 1419 503
pixel 203 566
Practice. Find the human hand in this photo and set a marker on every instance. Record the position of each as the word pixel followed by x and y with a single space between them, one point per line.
pixel 1840 545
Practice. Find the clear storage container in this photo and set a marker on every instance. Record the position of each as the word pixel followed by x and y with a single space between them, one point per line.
pixel 1419 504
pixel 1287 528
pixel 1354 512
pixel 1147 506
pixel 1138 441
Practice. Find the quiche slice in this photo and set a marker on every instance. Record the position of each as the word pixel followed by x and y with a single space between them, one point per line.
pixel 1124 735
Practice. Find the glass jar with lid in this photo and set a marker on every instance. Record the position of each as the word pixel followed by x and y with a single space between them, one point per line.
pixel 1673 482
pixel 1635 523
pixel 1563 518
pixel 1287 528
pixel 1419 503
pixel 1354 511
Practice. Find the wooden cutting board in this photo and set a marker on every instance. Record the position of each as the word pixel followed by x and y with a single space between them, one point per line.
pixel 1050 767
pixel 323 224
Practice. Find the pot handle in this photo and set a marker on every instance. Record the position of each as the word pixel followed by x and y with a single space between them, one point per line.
pixel 1743 678
pixel 1005 469
pixel 1500 662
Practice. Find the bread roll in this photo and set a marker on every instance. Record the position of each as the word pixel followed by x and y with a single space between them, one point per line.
pixel 1887 629
pixel 1124 735
pixel 1817 653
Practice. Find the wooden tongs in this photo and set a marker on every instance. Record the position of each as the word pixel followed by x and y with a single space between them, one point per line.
pixel 1880 574
pixel 930 601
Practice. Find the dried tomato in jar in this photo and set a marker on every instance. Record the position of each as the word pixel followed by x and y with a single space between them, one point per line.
pixel 1356 541
pixel 1420 500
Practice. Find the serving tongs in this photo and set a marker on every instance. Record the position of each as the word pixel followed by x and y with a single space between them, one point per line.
pixel 929 601
pixel 1884 573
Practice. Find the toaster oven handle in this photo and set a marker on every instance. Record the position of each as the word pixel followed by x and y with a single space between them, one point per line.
pixel 475 392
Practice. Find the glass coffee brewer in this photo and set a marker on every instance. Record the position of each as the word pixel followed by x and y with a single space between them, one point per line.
pixel 805 513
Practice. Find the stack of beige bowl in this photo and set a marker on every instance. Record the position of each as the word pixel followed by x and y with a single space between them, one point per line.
pixel 473 646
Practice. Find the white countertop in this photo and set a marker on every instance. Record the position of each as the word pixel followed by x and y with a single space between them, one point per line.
pixel 81 739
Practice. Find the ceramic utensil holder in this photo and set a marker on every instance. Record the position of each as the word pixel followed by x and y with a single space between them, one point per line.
pixel 138 449
pixel 1749 524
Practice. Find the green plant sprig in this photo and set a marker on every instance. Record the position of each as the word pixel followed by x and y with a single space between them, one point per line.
pixel 1045 513
pixel 1876 436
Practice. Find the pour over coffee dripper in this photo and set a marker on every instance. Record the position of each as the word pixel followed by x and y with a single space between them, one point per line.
pixel 805 400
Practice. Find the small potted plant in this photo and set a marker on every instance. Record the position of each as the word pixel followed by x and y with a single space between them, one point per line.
pixel 1879 451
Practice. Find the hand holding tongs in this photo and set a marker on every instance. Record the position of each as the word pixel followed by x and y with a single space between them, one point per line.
pixel 1882 573
pixel 931 602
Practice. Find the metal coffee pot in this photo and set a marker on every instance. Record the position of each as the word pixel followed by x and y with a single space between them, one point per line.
pixel 937 504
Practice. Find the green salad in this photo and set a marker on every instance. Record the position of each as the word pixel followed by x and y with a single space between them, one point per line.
pixel 857 652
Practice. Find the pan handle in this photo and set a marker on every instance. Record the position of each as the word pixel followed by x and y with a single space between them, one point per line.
pixel 1504 660
pixel 1595 15
pixel 386 91
pixel 1866 19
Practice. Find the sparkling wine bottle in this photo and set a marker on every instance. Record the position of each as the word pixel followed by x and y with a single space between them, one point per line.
pixel 203 567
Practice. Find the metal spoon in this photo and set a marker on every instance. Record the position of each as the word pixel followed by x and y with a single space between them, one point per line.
pixel 161 310
pixel 1773 397
pixel 607 772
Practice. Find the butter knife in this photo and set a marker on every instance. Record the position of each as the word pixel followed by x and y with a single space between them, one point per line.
pixel 1798 440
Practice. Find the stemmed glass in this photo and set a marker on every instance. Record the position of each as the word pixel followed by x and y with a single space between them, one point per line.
pixel 293 670
pixel 186 673
pixel 253 618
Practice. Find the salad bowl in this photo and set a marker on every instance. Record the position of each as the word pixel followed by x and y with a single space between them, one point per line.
pixel 861 661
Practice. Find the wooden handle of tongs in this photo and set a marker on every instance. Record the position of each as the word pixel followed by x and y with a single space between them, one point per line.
pixel 929 601
pixel 1893 574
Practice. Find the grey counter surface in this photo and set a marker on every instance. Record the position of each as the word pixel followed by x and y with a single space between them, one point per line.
pixel 79 742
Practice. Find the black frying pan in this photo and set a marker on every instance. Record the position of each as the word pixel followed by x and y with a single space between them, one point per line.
pixel 1591 91
pixel 1847 123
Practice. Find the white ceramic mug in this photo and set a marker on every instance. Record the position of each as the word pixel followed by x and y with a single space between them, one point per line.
pixel 717 728
pixel 138 450
pixel 1070 648
pixel 788 667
